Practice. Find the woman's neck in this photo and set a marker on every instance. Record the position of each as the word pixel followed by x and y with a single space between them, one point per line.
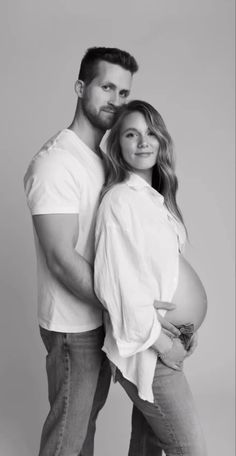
pixel 145 174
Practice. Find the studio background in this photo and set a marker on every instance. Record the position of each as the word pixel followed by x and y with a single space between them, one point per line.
pixel 185 50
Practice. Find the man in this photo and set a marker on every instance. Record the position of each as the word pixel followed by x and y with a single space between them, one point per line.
pixel 62 185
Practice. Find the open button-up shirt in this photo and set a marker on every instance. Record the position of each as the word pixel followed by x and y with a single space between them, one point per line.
pixel 137 250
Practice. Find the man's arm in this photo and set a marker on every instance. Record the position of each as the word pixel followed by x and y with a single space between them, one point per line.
pixel 58 235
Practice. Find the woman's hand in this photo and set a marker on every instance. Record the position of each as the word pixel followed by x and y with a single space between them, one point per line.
pixel 163 344
pixel 175 357
pixel 167 327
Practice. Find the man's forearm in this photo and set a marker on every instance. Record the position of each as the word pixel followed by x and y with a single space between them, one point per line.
pixel 76 274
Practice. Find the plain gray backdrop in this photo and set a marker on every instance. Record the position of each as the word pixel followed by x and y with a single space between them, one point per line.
pixel 185 50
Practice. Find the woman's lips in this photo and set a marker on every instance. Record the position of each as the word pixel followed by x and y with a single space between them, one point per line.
pixel 143 154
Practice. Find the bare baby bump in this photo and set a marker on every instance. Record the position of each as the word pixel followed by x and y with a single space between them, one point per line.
pixel 190 297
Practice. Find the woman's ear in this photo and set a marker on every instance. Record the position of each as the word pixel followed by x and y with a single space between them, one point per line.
pixel 79 87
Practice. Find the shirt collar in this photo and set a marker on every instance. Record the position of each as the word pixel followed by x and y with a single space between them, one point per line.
pixel 138 183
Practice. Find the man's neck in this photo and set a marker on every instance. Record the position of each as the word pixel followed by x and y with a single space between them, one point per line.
pixel 90 135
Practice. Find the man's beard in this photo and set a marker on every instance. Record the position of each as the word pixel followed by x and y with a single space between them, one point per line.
pixel 97 120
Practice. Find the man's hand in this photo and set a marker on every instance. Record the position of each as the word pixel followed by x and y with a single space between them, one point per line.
pixel 175 357
pixel 169 329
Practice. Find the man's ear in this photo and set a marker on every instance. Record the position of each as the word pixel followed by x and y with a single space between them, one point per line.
pixel 79 87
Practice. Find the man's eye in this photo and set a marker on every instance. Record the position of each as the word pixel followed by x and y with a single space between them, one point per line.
pixel 106 88
pixel 124 94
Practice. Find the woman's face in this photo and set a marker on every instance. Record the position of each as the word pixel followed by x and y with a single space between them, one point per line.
pixel 139 146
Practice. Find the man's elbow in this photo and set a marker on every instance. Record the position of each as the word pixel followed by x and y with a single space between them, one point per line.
pixel 56 264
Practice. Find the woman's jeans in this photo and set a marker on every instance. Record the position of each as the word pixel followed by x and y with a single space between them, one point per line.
pixel 78 383
pixel 171 422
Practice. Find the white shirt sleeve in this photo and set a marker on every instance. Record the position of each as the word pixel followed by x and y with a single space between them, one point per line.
pixel 123 280
pixel 51 187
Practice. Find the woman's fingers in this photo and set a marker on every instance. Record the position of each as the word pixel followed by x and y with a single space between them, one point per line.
pixel 165 323
pixel 170 364
pixel 164 305
pixel 168 326
pixel 168 333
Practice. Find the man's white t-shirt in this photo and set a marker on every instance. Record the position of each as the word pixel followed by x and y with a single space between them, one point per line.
pixel 65 177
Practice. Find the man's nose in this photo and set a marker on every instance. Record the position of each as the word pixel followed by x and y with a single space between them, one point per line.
pixel 115 99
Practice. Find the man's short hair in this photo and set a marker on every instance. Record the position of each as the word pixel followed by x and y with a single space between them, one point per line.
pixel 88 67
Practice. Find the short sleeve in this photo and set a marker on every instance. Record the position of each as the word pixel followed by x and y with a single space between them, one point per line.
pixel 52 186
pixel 123 280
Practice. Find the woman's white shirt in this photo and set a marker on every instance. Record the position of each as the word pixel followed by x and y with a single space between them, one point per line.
pixel 137 243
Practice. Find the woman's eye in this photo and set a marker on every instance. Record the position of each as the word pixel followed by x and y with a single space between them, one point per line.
pixel 150 133
pixel 130 135
pixel 106 88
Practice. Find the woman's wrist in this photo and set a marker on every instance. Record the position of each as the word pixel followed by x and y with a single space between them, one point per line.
pixel 163 345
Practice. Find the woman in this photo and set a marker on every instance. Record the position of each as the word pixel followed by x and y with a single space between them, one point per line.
pixel 139 237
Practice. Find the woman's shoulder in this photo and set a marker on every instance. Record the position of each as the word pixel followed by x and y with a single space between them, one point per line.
pixel 116 202
pixel 118 195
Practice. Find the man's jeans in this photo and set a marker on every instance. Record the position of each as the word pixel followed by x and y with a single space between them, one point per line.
pixel 171 422
pixel 78 383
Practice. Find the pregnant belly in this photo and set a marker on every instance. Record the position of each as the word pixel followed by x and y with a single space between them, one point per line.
pixel 190 297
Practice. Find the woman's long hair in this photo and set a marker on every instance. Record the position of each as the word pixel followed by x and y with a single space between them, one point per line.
pixel 117 169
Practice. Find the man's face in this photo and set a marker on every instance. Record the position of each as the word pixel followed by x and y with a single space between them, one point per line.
pixel 105 94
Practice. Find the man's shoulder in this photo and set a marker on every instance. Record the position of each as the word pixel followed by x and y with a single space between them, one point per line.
pixel 56 148
pixel 54 156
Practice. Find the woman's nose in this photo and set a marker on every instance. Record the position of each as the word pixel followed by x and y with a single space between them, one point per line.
pixel 143 141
